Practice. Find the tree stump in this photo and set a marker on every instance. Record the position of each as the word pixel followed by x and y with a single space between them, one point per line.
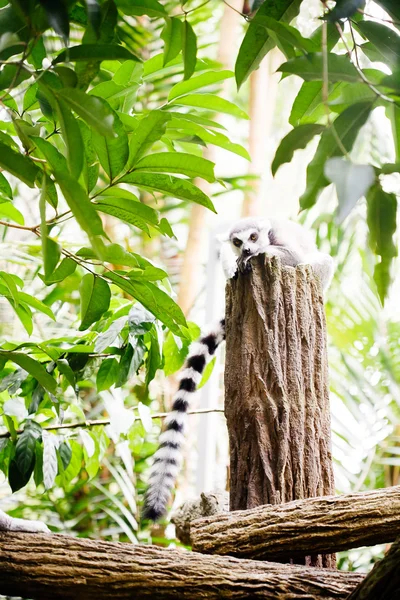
pixel 276 388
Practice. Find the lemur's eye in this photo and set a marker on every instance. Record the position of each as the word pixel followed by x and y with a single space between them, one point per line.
pixel 237 242
pixel 254 237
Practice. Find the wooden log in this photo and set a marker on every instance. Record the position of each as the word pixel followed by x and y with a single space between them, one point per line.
pixel 383 582
pixel 276 388
pixel 312 526
pixel 57 567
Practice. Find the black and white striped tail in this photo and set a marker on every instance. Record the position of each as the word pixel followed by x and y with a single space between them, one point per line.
pixel 168 458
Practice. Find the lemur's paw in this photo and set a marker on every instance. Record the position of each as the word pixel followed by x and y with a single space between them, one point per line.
pixel 28 526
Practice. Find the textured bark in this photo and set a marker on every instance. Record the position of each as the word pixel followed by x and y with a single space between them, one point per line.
pixel 383 582
pixel 52 567
pixel 312 526
pixel 276 388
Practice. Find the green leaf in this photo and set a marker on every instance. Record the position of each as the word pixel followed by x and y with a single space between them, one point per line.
pixel 25 449
pixel 95 52
pixel 154 299
pixel 172 36
pixel 393 114
pixel 80 205
pixel 169 185
pixel 381 219
pixel 64 269
pixel 385 39
pixel 56 160
pixel 112 152
pixel 189 49
pixel 195 83
pixel 174 355
pixel 8 210
pixel 95 299
pixel 152 8
pixel 72 137
pixel 94 17
pixel 209 137
pixel 310 68
pixel 18 165
pixel 36 304
pixel 65 454
pixel 24 315
pixel 288 34
pixel 207 373
pixel 177 162
pixel 299 137
pixel 17 479
pixel 150 129
pixel 12 75
pixel 347 126
pixel 65 369
pixel 11 286
pixel 211 102
pixel 107 374
pixel 95 111
pixel 127 210
pixel 50 249
pixel 5 187
pixel 33 367
pixel 257 43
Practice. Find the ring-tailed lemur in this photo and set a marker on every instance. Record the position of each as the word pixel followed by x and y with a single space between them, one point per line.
pixel 247 238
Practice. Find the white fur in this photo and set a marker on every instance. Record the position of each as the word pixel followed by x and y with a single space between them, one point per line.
pixel 190 373
pixel 8 523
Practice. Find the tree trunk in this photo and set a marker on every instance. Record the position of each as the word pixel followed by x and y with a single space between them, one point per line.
pixel 56 567
pixel 383 582
pixel 276 388
pixel 311 526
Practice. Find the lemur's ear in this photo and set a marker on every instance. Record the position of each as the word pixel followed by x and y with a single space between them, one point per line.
pixel 223 237
pixel 264 224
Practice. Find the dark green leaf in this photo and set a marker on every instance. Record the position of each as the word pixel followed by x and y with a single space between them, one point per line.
pixel 286 33
pixel 17 479
pixel 5 187
pixel 95 111
pixel 12 75
pixel 18 165
pixel 72 137
pixel 154 299
pixel 94 15
pixel 381 218
pixel 107 374
pixel 310 68
pixel 177 162
pixel 172 36
pixel 299 137
pixel 95 299
pixel 65 453
pixel 112 152
pixel 64 269
pixel 127 210
pixel 347 126
pixel 169 185
pixel 150 129
pixel 65 369
pixel 50 249
pixel 57 15
pixel 95 52
pixel 25 449
pixel 257 43
pixel 33 367
pixel 189 49
pixel 385 40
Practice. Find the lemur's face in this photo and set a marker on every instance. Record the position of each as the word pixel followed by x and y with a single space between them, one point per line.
pixel 246 243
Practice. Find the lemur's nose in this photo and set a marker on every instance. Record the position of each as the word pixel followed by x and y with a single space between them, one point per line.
pixel 246 251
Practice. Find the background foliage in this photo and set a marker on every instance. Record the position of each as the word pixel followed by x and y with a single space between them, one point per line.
pixel 108 112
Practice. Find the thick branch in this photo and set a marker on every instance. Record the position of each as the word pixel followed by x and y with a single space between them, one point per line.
pixel 383 582
pixel 302 527
pixel 52 567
